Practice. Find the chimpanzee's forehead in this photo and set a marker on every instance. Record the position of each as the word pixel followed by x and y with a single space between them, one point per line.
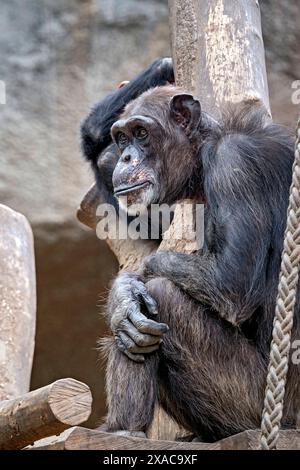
pixel 151 102
pixel 136 119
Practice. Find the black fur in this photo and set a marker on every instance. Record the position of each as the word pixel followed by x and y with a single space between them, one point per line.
pixel 209 373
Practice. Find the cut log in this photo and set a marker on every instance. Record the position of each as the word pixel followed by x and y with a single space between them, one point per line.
pixel 43 412
pixel 17 303
pixel 86 439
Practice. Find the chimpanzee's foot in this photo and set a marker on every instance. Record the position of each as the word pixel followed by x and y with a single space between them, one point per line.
pixel 140 434
pixel 104 428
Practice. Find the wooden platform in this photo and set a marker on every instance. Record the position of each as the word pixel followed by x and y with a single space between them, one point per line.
pixel 78 438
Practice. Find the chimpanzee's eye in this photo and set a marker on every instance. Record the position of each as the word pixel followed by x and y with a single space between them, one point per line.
pixel 141 133
pixel 122 139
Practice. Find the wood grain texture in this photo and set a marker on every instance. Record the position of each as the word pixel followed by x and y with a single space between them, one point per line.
pixel 78 438
pixel 87 439
pixel 43 412
pixel 129 253
pixel 218 51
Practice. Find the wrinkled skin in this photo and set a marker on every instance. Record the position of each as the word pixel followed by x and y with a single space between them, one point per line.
pixel 135 333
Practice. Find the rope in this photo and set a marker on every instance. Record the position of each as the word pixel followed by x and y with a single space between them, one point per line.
pixel 284 312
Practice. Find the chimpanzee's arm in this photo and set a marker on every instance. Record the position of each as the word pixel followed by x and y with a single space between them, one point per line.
pixel 244 189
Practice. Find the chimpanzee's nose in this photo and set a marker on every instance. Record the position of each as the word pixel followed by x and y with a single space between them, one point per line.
pixel 126 157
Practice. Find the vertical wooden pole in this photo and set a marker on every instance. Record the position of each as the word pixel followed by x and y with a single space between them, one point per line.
pixel 218 55
pixel 218 51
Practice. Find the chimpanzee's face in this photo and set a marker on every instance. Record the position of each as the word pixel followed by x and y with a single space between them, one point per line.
pixel 137 175
pixel 157 148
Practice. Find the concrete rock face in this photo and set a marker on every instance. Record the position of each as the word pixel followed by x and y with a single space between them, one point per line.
pixel 58 57
pixel 17 303
pixel 280 24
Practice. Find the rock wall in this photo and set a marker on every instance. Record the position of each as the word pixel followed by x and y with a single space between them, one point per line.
pixel 281 30
pixel 57 58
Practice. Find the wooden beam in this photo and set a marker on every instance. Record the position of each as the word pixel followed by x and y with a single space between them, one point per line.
pixel 78 438
pixel 87 439
pixel 17 303
pixel 43 412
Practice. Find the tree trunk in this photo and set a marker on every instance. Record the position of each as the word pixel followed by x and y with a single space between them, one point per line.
pixel 17 303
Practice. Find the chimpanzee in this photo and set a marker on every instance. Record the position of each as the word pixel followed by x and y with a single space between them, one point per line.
pixel 192 331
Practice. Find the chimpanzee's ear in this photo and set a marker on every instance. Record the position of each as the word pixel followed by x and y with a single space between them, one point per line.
pixel 185 111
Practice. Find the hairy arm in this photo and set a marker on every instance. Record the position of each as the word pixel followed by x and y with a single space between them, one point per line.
pixel 229 274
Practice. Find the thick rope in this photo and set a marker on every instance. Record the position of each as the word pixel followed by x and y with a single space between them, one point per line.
pixel 284 312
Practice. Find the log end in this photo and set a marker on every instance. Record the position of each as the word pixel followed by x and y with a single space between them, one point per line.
pixel 70 401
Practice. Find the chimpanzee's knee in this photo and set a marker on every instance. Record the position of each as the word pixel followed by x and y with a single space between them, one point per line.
pixel 158 287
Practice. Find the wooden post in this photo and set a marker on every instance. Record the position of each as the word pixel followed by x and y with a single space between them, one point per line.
pixel 43 412
pixel 129 253
pixel 17 303
pixel 218 51
pixel 87 439
pixel 218 55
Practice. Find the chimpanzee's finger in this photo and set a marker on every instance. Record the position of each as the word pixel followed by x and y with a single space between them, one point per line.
pixel 140 292
pixel 146 349
pixel 145 325
pixel 133 347
pixel 140 339
pixel 135 357
pixel 150 303
pixel 122 348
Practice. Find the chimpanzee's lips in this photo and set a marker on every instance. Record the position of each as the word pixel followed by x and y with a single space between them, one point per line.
pixel 122 189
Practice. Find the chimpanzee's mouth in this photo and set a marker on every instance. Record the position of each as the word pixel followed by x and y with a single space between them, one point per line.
pixel 121 190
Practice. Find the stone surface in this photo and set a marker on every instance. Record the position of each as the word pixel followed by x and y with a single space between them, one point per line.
pixel 280 24
pixel 17 303
pixel 57 58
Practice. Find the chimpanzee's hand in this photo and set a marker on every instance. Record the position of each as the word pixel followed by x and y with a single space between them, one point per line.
pixel 165 66
pixel 135 334
pixel 106 164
